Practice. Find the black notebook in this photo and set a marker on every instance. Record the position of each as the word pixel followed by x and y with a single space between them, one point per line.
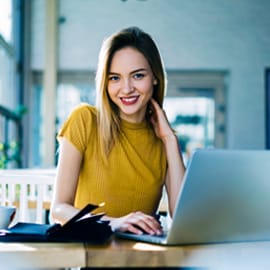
pixel 77 229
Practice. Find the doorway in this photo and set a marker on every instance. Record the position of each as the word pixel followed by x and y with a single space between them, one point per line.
pixel 196 108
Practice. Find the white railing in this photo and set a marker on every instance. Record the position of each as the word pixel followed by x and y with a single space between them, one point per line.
pixel 30 190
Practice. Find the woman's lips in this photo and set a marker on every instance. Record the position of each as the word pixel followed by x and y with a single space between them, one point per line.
pixel 129 100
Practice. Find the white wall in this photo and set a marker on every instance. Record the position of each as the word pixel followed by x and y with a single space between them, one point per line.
pixel 232 35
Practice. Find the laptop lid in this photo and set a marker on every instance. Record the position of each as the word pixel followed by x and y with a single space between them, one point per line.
pixel 225 198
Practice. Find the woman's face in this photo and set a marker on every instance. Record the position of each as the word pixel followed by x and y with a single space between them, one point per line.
pixel 130 84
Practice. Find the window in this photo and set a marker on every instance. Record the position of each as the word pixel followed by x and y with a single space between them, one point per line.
pixel 196 108
pixel 72 89
pixel 6 20
pixel 192 118
pixel 7 56
pixel 10 115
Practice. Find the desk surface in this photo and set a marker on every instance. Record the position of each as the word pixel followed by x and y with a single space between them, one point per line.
pixel 124 253
pixel 41 255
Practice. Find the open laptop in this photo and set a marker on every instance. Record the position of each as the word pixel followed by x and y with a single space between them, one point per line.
pixel 225 197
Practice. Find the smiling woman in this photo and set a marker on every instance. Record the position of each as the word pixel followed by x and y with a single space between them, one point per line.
pixel 122 151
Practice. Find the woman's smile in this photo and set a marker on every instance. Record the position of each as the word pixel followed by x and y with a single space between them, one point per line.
pixel 131 100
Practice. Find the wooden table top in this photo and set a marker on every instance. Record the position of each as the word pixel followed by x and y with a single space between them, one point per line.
pixel 126 253
pixel 41 255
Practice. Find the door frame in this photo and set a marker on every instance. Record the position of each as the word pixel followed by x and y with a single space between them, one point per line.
pixel 191 83
pixel 267 107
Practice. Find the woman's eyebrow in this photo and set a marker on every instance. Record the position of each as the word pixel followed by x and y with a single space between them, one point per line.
pixel 112 73
pixel 133 71
pixel 138 70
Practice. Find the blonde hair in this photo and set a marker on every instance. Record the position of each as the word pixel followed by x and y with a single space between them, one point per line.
pixel 108 112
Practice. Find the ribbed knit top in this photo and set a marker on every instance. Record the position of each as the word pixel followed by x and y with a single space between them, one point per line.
pixel 133 178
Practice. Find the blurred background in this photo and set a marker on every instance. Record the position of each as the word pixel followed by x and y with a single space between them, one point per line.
pixel 216 54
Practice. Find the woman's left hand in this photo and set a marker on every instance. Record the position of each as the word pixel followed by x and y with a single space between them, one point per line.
pixel 160 122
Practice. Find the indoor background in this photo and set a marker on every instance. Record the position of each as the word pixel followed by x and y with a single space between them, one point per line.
pixel 216 54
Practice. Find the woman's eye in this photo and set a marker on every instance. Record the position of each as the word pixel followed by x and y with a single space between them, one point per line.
pixel 138 75
pixel 113 78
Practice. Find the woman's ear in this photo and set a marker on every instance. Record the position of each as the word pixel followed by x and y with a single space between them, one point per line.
pixel 155 82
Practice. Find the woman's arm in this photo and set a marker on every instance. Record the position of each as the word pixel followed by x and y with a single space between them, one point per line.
pixel 68 170
pixel 175 172
pixel 176 168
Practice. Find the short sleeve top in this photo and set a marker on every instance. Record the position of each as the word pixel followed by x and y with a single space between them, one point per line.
pixel 134 176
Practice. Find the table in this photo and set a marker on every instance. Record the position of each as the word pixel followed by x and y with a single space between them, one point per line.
pixel 125 253
pixel 18 256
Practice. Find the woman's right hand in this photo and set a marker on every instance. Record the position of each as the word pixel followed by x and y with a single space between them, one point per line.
pixel 137 223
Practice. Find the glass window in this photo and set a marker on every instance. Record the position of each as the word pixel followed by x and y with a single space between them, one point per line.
pixel 7 80
pixel 192 118
pixel 6 20
pixel 70 95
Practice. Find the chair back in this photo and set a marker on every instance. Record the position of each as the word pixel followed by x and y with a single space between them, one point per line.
pixel 30 190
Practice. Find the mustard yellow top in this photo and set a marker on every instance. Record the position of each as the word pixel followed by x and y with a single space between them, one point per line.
pixel 134 176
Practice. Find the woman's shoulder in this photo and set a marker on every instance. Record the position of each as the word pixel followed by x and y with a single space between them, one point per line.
pixel 80 124
pixel 84 110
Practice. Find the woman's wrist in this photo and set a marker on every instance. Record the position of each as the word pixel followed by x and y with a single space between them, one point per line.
pixel 170 138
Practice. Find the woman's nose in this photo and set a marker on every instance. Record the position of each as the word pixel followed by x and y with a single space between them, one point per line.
pixel 127 87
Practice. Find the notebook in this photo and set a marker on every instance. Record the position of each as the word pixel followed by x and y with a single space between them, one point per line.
pixel 80 228
pixel 225 197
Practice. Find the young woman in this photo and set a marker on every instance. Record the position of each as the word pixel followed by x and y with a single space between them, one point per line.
pixel 121 151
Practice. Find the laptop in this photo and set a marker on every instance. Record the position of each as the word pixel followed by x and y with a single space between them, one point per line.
pixel 225 197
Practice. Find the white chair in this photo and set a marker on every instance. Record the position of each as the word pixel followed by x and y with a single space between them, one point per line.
pixel 30 190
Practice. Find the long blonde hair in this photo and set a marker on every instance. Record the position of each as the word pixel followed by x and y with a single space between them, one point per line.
pixel 108 112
